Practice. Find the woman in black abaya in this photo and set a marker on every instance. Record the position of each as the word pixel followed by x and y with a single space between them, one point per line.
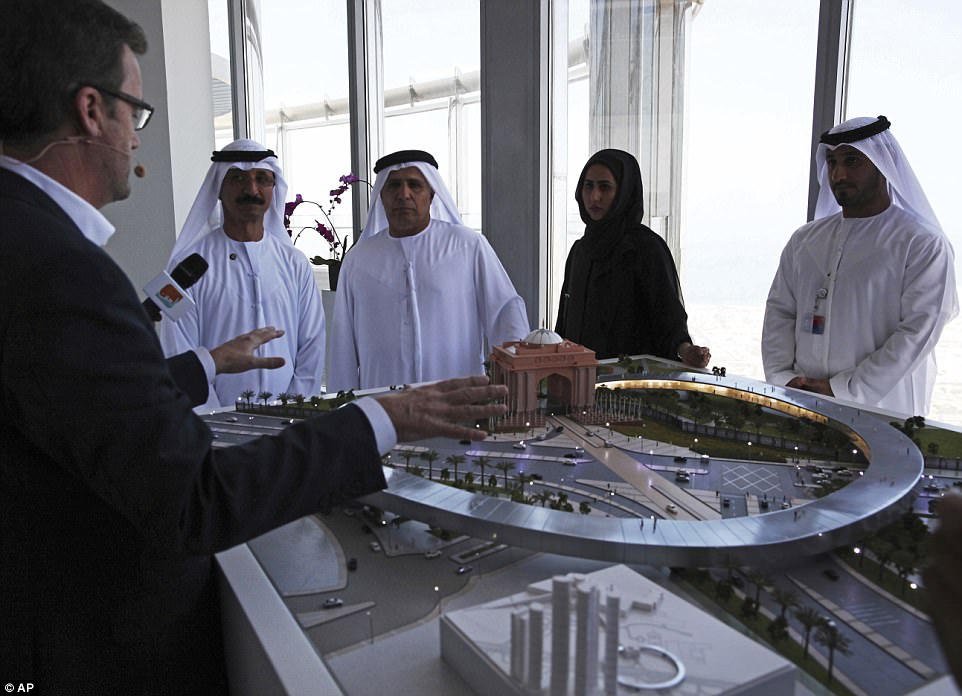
pixel 621 294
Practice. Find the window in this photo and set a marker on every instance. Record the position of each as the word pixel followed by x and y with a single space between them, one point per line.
pixel 432 97
pixel 303 45
pixel 749 110
pixel 221 96
pixel 298 84
pixel 618 71
pixel 904 64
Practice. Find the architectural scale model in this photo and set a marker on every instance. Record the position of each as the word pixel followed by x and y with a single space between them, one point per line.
pixel 447 546
pixel 609 632
pixel 883 492
pixel 569 370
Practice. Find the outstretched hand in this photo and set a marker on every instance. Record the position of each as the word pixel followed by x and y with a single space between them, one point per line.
pixel 695 356
pixel 442 409
pixel 237 354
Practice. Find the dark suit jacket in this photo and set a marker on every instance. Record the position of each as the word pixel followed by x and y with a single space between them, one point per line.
pixel 188 373
pixel 111 497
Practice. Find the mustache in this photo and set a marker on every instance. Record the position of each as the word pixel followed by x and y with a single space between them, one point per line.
pixel 247 198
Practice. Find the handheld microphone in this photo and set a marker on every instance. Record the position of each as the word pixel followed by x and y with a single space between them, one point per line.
pixel 169 289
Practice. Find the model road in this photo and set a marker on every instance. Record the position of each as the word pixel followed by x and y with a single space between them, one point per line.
pixel 660 491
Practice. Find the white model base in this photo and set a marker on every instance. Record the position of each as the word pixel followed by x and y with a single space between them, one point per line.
pixel 710 656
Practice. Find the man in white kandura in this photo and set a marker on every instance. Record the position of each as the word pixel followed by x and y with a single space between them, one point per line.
pixel 420 295
pixel 862 292
pixel 255 278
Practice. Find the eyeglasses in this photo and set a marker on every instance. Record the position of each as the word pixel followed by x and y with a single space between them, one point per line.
pixel 236 177
pixel 142 110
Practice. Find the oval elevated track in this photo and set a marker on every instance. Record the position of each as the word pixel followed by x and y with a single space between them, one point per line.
pixel 698 537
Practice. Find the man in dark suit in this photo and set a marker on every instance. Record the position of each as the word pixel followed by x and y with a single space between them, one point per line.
pixel 112 499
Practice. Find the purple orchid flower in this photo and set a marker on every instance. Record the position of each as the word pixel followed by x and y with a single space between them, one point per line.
pixel 325 232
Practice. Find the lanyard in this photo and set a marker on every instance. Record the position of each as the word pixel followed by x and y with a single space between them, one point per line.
pixel 825 293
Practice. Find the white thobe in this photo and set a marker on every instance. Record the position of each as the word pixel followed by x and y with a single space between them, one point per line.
pixel 862 301
pixel 249 285
pixel 420 308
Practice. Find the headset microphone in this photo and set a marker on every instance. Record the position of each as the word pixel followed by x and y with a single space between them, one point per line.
pixel 140 171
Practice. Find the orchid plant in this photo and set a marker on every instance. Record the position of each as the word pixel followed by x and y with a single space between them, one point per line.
pixel 326 230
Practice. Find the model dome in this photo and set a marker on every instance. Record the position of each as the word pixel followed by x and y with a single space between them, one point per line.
pixel 542 337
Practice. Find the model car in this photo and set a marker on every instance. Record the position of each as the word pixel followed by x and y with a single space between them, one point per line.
pixel 374 546
pixel 461 570
pixel 433 553
pixel 332 603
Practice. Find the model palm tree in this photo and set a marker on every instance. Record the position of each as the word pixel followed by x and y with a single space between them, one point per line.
pixel 544 496
pixel 522 480
pixel 265 396
pixel 481 462
pixel 785 598
pixel 247 395
pixel 809 618
pixel 455 460
pixel 760 580
pixel 430 457
pixel 504 468
pixel 828 635
pixel 883 551
pixel 904 563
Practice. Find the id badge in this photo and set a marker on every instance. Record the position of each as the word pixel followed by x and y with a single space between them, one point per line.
pixel 818 324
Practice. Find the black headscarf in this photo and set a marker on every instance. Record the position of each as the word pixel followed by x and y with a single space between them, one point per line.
pixel 601 237
pixel 634 304
pixel 626 210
